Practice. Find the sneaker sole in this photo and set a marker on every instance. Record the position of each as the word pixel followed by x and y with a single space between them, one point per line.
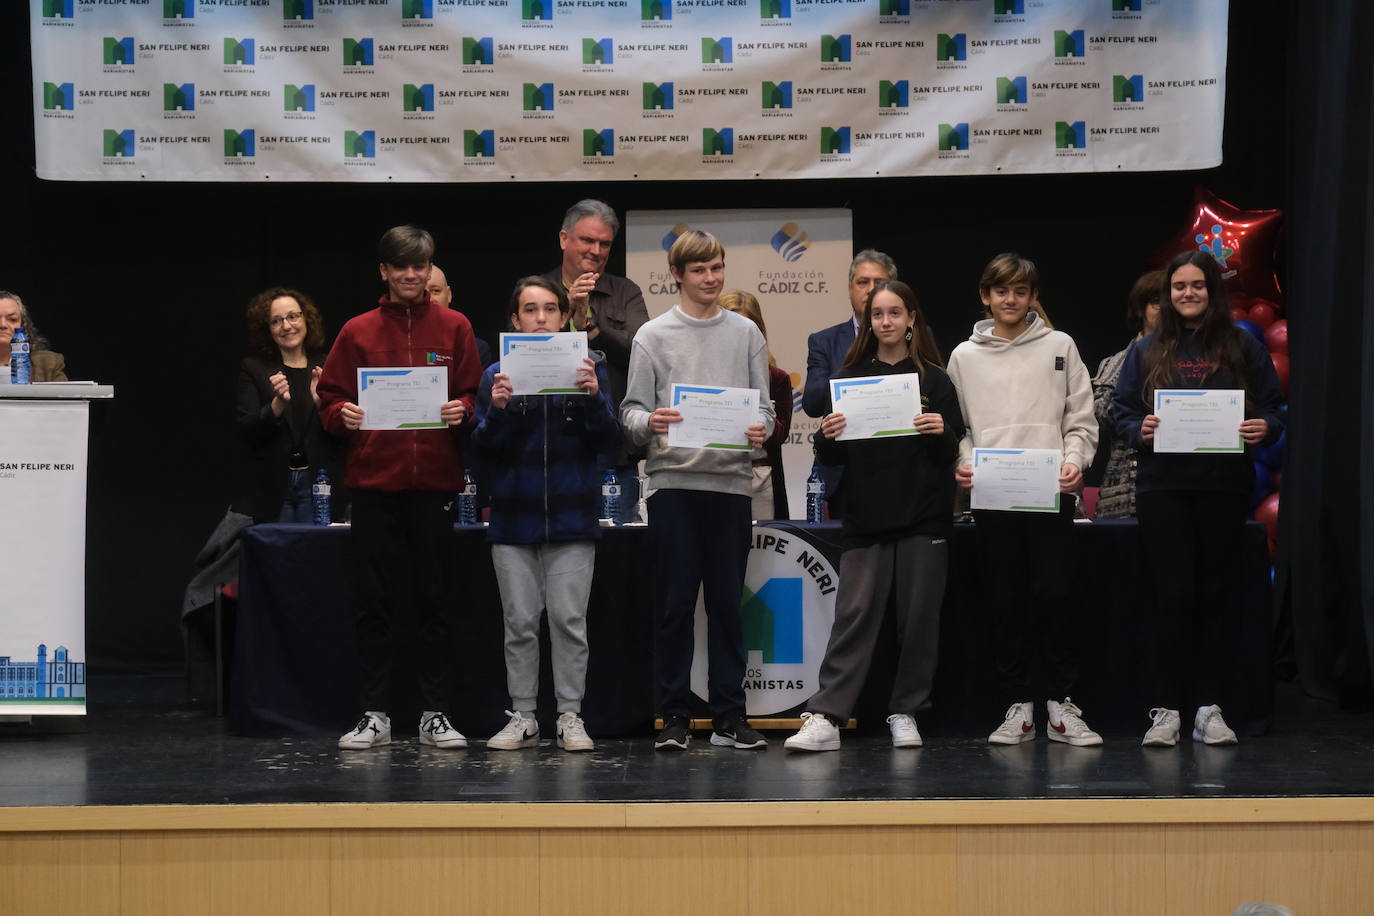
pixel 455 744
pixel 1159 742
pixel 671 745
pixel 1199 736
pixel 720 740
pixel 907 742
pixel 589 746
pixel 792 745
pixel 516 746
pixel 1017 739
pixel 1094 741
pixel 364 747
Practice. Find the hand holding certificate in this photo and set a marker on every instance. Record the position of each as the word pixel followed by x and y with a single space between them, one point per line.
pixel 879 405
pixel 713 417
pixel 1016 479
pixel 1199 420
pixel 403 397
pixel 544 363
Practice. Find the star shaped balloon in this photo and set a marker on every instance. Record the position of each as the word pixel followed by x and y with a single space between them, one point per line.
pixel 1242 241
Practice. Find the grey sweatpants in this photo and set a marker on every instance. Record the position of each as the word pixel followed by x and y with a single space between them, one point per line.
pixel 531 578
pixel 915 567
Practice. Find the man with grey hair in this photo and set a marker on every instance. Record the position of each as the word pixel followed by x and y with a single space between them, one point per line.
pixel 610 309
pixel 825 352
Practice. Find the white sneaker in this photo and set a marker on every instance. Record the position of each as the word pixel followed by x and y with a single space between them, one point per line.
pixel 1066 724
pixel 519 732
pixel 572 733
pixel 904 733
pixel 817 733
pixel 1210 728
pixel 436 731
pixel 1017 726
pixel 1164 731
pixel 372 730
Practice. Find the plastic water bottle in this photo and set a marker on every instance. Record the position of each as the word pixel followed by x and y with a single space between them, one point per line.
pixel 19 357
pixel 610 496
pixel 319 497
pixel 467 500
pixel 815 495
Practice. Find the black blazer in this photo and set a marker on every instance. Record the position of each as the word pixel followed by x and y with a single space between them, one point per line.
pixel 265 441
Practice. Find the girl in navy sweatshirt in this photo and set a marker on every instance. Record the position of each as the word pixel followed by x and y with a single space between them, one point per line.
pixel 1192 507
pixel 896 528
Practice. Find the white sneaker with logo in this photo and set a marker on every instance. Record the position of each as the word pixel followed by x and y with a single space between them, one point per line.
pixel 1017 726
pixel 1066 724
pixel 817 733
pixel 904 732
pixel 1210 728
pixel 519 732
pixel 572 733
pixel 372 730
pixel 1164 730
pixel 436 731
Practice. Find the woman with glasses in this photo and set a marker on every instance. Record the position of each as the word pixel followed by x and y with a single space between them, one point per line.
pixel 278 418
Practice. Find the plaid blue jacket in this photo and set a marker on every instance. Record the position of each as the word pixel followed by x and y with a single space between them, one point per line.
pixel 540 462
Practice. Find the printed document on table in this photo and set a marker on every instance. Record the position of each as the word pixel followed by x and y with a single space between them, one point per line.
pixel 544 363
pixel 1199 420
pixel 878 405
pixel 404 397
pixel 713 417
pixel 1016 479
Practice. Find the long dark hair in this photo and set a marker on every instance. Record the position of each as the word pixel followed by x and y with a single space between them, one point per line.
pixel 1220 339
pixel 921 348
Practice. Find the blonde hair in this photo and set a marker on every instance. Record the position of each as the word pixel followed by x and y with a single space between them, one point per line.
pixel 692 246
pixel 737 300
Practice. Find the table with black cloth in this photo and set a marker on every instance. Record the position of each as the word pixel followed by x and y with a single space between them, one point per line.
pixel 295 669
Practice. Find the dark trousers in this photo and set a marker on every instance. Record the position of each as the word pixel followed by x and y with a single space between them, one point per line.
pixel 1192 540
pixel 702 543
pixel 1028 561
pixel 402 547
pixel 912 571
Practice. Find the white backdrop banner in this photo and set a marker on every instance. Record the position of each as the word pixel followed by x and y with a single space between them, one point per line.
pixel 43 543
pixel 536 90
pixel 795 262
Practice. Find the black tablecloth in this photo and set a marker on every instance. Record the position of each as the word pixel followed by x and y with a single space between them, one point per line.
pixel 295 670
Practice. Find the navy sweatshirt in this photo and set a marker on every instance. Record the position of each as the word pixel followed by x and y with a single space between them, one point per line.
pixel 1171 471
pixel 903 486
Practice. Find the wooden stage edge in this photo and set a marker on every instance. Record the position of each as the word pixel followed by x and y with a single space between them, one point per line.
pixel 649 815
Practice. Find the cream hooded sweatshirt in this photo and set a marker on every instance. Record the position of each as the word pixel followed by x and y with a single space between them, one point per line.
pixel 1031 392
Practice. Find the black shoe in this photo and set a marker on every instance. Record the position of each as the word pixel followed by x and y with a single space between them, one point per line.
pixel 675 734
pixel 735 732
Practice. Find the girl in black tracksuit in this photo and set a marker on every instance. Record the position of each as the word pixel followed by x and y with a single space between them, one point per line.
pixel 1192 508
pixel 896 527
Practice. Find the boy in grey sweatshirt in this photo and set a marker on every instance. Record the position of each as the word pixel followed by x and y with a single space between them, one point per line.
pixel 700 511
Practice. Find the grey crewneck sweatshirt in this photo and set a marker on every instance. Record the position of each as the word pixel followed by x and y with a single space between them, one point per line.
pixel 725 349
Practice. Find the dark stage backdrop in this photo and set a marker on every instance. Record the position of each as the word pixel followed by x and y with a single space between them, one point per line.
pixel 142 285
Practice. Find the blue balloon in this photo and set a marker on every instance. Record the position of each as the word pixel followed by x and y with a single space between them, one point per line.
pixel 1250 328
pixel 1264 485
pixel 1271 456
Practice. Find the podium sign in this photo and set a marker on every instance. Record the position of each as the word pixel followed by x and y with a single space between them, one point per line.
pixel 43 548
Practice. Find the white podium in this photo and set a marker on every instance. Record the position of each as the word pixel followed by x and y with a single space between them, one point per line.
pixel 43 446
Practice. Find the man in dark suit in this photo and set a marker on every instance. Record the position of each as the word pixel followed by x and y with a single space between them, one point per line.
pixel 610 309
pixel 825 352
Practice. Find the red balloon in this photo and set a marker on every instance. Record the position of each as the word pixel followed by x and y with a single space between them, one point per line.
pixel 1276 478
pixel 1239 314
pixel 1276 337
pixel 1268 514
pixel 1281 369
pixel 1243 242
pixel 1262 313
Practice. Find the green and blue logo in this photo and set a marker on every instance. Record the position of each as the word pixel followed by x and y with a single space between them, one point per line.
pixel 119 52
pixel 777 95
pixel 953 137
pixel 479 143
pixel 836 49
pixel 238 52
pixel 538 96
pixel 240 144
pixel 1125 6
pixel 1011 90
pixel 477 52
pixel 298 9
pixel 119 143
pixel 894 7
pixel 298 98
pixel 178 98
pixel 835 141
pixel 951 47
pixel 893 94
pixel 772 621
pixel 57 9
pixel 1128 88
pixel 58 96
pixel 598 143
pixel 1008 7
pixel 533 10
pixel 718 142
pixel 658 96
pixel 417 9
pixel 717 50
pixel 597 52
pixel 656 10
pixel 178 9
pixel 418 98
pixel 360 144
pixel 775 9
pixel 1070 135
pixel 358 52
pixel 1068 44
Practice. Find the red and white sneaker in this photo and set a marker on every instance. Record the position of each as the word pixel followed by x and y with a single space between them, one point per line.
pixel 1018 726
pixel 1067 725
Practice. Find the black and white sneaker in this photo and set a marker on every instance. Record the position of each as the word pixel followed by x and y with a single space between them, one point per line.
pixel 735 732
pixel 675 735
pixel 372 730
pixel 436 731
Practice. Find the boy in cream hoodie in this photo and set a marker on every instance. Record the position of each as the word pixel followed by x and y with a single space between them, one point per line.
pixel 1023 385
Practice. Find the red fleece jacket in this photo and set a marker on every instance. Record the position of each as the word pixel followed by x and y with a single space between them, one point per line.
pixel 396 335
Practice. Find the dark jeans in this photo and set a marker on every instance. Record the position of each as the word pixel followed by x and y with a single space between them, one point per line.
pixel 1028 561
pixel 702 543
pixel 298 508
pixel 1192 540
pixel 402 547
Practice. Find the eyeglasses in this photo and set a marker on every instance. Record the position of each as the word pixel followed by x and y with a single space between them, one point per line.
pixel 293 317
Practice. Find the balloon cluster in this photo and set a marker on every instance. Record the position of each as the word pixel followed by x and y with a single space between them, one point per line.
pixel 1243 242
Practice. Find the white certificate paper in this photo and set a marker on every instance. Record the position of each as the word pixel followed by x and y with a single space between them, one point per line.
pixel 404 397
pixel 713 417
pixel 1016 479
pixel 1199 420
pixel 543 363
pixel 877 405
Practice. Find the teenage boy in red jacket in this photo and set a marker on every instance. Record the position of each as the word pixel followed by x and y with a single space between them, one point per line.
pixel 403 483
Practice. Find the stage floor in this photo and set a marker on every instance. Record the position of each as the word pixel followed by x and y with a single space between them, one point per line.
pixel 141 746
